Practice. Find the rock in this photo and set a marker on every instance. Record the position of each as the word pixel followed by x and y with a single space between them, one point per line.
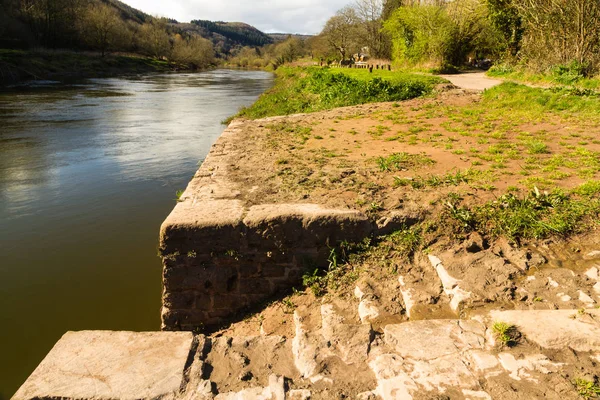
pixel 111 365
pixel 275 391
pixel 475 243
pixel 556 329
pixel 303 394
pixel 593 274
pixel 593 255
pixel 413 339
pixel 352 341
pixel 522 368
pixel 450 284
pixel 368 311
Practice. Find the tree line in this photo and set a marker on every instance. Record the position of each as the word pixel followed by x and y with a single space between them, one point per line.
pixel 536 34
pixel 103 26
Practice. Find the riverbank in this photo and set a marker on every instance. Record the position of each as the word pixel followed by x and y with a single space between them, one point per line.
pixel 392 216
pixel 435 245
pixel 64 65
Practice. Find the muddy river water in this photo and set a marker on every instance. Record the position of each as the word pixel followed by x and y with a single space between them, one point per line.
pixel 87 174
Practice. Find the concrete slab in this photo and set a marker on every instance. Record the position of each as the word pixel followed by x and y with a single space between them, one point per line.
pixel 111 365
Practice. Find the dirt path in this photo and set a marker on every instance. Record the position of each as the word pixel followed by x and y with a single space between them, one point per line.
pixel 472 81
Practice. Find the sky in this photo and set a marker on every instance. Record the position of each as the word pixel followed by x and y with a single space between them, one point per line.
pixel 285 16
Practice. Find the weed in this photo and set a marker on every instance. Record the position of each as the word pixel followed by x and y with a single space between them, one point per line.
pixel 586 389
pixel 506 334
pixel 288 305
pixel 536 147
pixel 178 195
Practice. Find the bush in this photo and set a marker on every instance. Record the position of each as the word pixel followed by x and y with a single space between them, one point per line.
pixel 443 36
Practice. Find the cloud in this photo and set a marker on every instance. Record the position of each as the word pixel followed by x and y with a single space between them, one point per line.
pixel 287 16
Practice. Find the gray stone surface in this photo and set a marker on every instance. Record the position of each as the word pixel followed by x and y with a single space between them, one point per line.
pixel 111 365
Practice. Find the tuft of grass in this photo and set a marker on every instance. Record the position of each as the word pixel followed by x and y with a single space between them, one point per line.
pixel 587 389
pixel 506 334
pixel 537 147
pixel 402 161
pixel 178 195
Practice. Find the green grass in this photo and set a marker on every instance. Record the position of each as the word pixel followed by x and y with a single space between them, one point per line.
pixel 557 75
pixel 303 90
pixel 402 161
pixel 520 100
pixel 533 216
pixel 506 334
pixel 587 389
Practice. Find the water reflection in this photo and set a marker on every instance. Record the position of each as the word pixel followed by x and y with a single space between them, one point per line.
pixel 87 174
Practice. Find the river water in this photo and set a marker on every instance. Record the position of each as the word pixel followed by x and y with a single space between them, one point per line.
pixel 87 174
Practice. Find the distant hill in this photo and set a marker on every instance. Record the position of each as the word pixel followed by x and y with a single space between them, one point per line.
pixel 25 27
pixel 280 37
pixel 237 32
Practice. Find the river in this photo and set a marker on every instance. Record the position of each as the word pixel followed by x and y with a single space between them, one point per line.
pixel 87 174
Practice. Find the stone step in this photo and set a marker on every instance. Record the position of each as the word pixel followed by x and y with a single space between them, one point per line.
pixel 331 355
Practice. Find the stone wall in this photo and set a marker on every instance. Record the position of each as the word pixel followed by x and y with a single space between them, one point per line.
pixel 221 255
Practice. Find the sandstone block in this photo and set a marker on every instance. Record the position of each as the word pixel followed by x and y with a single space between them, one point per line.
pixel 111 365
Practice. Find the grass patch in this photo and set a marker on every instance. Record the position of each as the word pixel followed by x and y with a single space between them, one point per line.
pixel 506 334
pixel 520 100
pixel 402 161
pixel 303 90
pixel 587 389
pixel 536 215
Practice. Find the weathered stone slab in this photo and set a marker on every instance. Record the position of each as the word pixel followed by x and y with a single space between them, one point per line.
pixel 556 329
pixel 111 365
pixel 431 339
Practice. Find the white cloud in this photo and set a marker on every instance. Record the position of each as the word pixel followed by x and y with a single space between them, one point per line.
pixel 288 16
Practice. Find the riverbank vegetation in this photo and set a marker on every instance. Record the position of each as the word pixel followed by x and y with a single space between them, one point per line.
pixel 540 39
pixel 302 90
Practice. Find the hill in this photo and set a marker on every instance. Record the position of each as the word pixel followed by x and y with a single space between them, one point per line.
pixel 237 32
pixel 58 26
pixel 280 37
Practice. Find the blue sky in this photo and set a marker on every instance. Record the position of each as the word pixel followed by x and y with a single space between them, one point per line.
pixel 288 16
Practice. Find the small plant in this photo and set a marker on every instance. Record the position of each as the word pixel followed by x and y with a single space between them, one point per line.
pixel 402 161
pixel 178 195
pixel 506 334
pixel 536 147
pixel 288 305
pixel 587 389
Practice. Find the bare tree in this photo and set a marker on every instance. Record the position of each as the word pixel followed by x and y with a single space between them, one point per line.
pixel 342 31
pixel 562 31
pixel 370 12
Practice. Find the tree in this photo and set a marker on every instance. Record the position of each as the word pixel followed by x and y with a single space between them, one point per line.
pixel 559 31
pixel 507 20
pixel 370 13
pixel 154 38
pixel 342 30
pixel 194 51
pixel 103 28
